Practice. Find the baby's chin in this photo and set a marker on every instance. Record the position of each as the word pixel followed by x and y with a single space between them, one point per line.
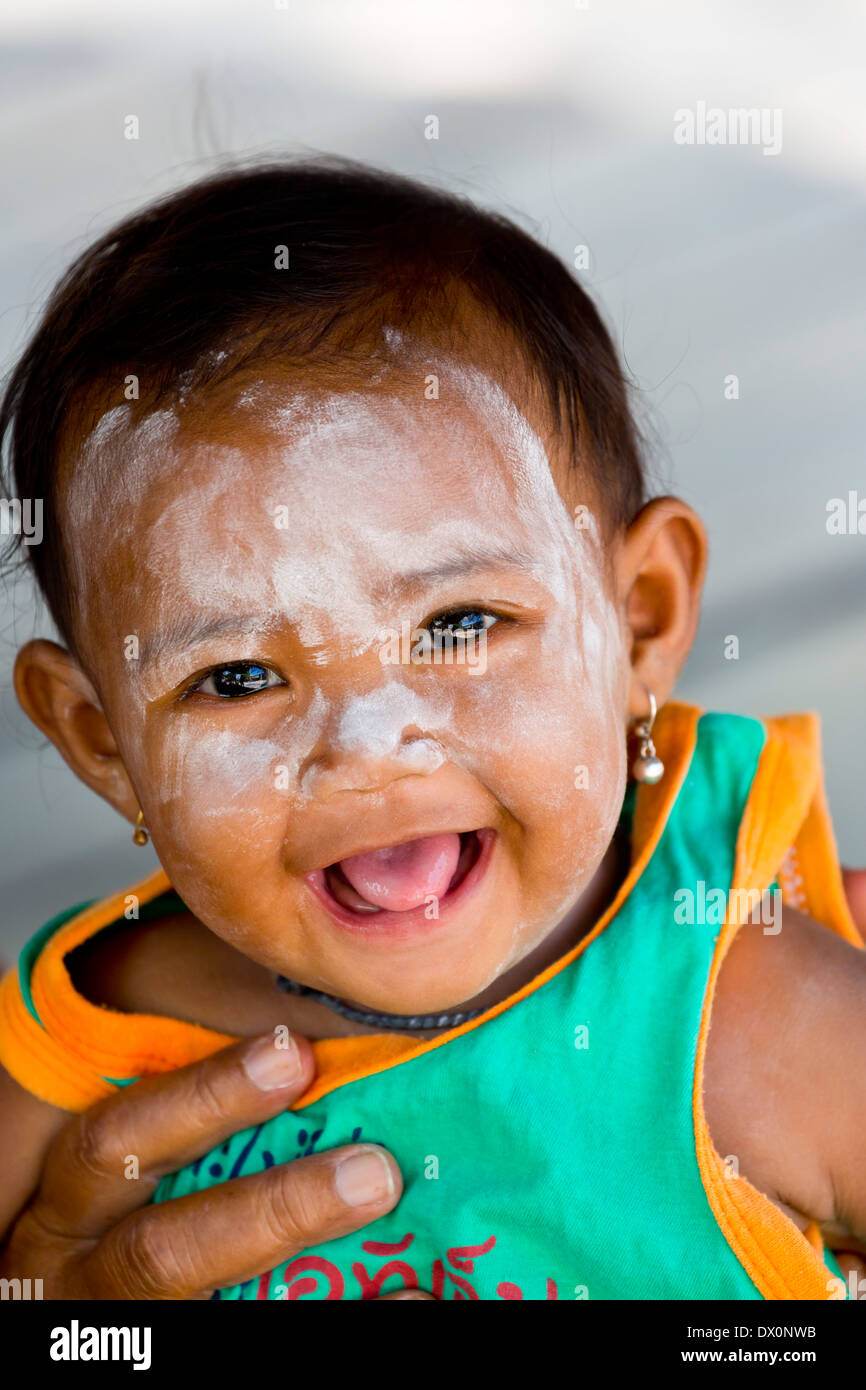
pixel 451 992
pixel 474 977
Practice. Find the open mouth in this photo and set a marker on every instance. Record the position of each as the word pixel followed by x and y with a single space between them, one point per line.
pixel 401 883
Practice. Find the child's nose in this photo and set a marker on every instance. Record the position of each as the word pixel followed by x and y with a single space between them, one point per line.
pixel 373 739
pixel 331 773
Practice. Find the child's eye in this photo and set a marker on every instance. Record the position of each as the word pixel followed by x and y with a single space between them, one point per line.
pixel 236 680
pixel 460 624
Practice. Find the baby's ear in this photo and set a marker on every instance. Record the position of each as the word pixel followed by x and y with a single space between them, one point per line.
pixel 59 698
pixel 660 576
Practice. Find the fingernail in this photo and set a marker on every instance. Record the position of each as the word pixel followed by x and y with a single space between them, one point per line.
pixel 273 1061
pixel 364 1177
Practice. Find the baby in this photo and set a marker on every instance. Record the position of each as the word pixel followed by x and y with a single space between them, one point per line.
pixel 369 626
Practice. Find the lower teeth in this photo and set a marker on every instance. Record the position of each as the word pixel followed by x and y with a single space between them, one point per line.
pixel 336 881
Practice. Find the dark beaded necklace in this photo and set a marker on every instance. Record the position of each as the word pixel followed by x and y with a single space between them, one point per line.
pixel 372 1019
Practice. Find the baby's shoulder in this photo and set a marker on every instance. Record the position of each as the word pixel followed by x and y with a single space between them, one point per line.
pixel 177 967
pixel 786 1051
pixel 171 965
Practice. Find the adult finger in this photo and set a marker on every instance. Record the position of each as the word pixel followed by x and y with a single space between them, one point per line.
pixel 163 1123
pixel 242 1228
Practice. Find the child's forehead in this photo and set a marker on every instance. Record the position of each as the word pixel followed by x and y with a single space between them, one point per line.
pixel 296 484
pixel 408 438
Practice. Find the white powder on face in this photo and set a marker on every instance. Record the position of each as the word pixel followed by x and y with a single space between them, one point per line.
pixel 216 766
pixel 118 463
pixel 332 575
pixel 232 777
pixel 587 630
pixel 372 451
pixel 374 500
pixel 375 722
pixel 374 486
pixel 337 440
pixel 379 725
pixel 117 466
pixel 220 766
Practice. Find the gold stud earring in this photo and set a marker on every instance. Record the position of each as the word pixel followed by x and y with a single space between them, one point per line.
pixel 647 766
pixel 139 834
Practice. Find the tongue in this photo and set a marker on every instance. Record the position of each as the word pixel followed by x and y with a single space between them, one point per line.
pixel 403 876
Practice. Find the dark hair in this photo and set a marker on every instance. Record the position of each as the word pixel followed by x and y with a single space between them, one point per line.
pixel 159 292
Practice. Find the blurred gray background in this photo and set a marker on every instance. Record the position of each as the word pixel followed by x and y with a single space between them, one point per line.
pixel 707 260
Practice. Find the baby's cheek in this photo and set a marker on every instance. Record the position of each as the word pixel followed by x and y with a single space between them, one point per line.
pixel 536 742
pixel 218 809
pixel 553 754
pixel 579 801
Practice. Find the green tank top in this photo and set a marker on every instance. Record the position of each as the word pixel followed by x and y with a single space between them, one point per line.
pixel 550 1152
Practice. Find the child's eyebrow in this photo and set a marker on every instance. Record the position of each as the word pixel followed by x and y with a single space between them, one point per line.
pixel 468 560
pixel 199 628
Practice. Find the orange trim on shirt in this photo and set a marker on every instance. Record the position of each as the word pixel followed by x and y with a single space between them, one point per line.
pixel 816 857
pixel 37 1061
pixel 65 1062
pixel 81 1042
pixel 112 1043
pixel 786 805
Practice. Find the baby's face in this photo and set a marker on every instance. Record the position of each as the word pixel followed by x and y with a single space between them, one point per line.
pixel 395 832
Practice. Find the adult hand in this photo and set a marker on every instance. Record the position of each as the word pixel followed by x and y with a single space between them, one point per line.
pixel 90 1232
